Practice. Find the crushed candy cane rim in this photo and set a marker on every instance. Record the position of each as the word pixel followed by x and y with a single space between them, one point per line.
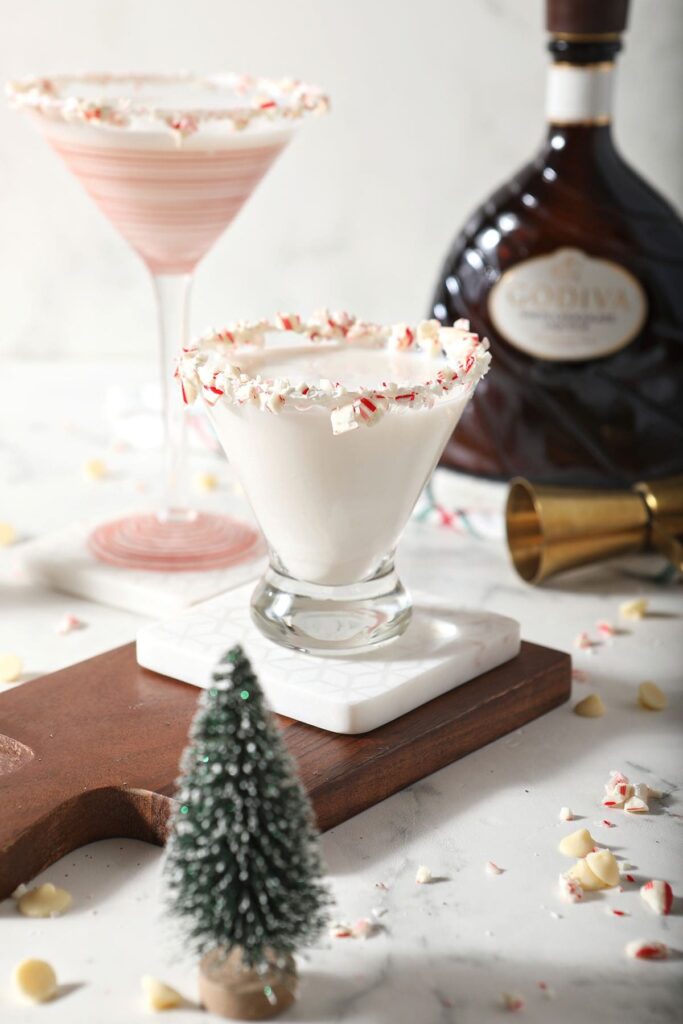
pixel 209 368
pixel 264 99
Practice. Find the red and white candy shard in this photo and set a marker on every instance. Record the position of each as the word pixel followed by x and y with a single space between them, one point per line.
pixel 68 624
pixel 364 928
pixel 641 949
pixel 341 931
pixel 512 1001
pixel 493 869
pixel 636 805
pixel 618 790
pixel 658 895
pixel 571 891
pixel 606 628
pixel 566 814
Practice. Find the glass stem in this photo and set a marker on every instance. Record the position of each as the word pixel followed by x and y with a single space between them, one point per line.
pixel 172 293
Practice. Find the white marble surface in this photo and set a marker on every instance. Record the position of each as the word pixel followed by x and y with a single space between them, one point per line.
pixel 434 104
pixel 443 647
pixel 451 948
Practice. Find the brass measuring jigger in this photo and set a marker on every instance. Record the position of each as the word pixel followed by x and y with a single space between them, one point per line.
pixel 551 529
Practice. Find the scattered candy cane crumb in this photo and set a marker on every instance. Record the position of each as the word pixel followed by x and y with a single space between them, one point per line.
pixel 571 890
pixel 617 913
pixel 95 469
pixel 378 912
pixel 512 1001
pixel 67 624
pixel 607 823
pixel 583 642
pixel 658 895
pixel 341 931
pixel 566 814
pixel 493 869
pixel 651 697
pixel 11 667
pixel 8 534
pixel 364 928
pixel 634 609
pixel 579 675
pixel 548 992
pixel 382 885
pixel 606 629
pixel 641 949
pixel 423 876
pixel 206 481
pixel 555 916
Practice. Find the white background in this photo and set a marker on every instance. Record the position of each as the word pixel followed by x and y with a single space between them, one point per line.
pixel 434 103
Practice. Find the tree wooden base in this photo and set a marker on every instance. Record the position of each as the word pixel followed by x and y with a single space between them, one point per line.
pixel 229 989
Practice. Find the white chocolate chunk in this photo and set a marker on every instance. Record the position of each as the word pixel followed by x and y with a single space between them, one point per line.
pixel 7 534
pixel 566 814
pixel 634 609
pixel 577 844
pixel 647 949
pixel 206 481
pixel 94 469
pixel 423 876
pixel 159 995
pixel 44 901
pixel 35 980
pixel 582 874
pixel 651 697
pixel 604 866
pixel 11 668
pixel 590 707
pixel 658 895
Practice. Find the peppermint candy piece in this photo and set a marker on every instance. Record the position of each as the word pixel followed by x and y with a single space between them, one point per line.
pixel 641 949
pixel 571 890
pixel 658 895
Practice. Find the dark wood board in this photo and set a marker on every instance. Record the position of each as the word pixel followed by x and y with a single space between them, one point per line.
pixel 92 752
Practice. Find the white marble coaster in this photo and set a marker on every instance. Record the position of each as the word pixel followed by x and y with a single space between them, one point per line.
pixel 442 648
pixel 61 561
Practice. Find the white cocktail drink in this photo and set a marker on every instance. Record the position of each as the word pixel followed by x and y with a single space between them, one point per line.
pixel 333 439
pixel 333 505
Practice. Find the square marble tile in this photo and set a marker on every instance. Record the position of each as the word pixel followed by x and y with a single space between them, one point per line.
pixel 442 648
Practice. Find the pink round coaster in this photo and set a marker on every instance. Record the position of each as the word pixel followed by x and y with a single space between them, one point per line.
pixel 203 543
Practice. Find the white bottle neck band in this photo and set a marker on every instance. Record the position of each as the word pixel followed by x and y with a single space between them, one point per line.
pixel 580 93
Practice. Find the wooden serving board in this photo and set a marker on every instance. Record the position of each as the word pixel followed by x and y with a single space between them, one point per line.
pixel 92 752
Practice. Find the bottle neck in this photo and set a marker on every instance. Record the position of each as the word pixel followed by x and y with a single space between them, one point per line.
pixel 581 82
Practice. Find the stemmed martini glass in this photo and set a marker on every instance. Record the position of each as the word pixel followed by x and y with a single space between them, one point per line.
pixel 170 160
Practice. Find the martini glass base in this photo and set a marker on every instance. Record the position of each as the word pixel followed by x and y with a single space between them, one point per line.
pixel 331 621
pixel 198 543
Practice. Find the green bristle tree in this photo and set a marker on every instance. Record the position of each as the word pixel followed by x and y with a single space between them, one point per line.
pixel 243 863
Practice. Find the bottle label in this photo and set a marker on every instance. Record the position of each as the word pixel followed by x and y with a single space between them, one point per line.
pixel 568 306
pixel 580 94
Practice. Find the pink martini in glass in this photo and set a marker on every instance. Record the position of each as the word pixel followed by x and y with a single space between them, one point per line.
pixel 170 160
pixel 333 426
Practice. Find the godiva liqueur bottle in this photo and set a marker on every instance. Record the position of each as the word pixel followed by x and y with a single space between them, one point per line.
pixel 574 271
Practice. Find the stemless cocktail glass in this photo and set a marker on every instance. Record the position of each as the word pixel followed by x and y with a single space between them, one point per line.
pixel 170 159
pixel 333 426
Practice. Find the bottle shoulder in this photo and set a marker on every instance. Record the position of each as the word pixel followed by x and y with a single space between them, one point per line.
pixel 559 200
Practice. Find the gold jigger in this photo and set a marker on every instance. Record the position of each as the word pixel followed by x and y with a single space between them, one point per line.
pixel 550 529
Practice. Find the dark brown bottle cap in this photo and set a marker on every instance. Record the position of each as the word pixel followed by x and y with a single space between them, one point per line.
pixel 586 18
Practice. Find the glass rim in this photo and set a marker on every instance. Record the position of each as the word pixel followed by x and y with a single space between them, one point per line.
pixel 260 100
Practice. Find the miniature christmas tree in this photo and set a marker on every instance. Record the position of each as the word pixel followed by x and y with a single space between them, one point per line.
pixel 243 866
